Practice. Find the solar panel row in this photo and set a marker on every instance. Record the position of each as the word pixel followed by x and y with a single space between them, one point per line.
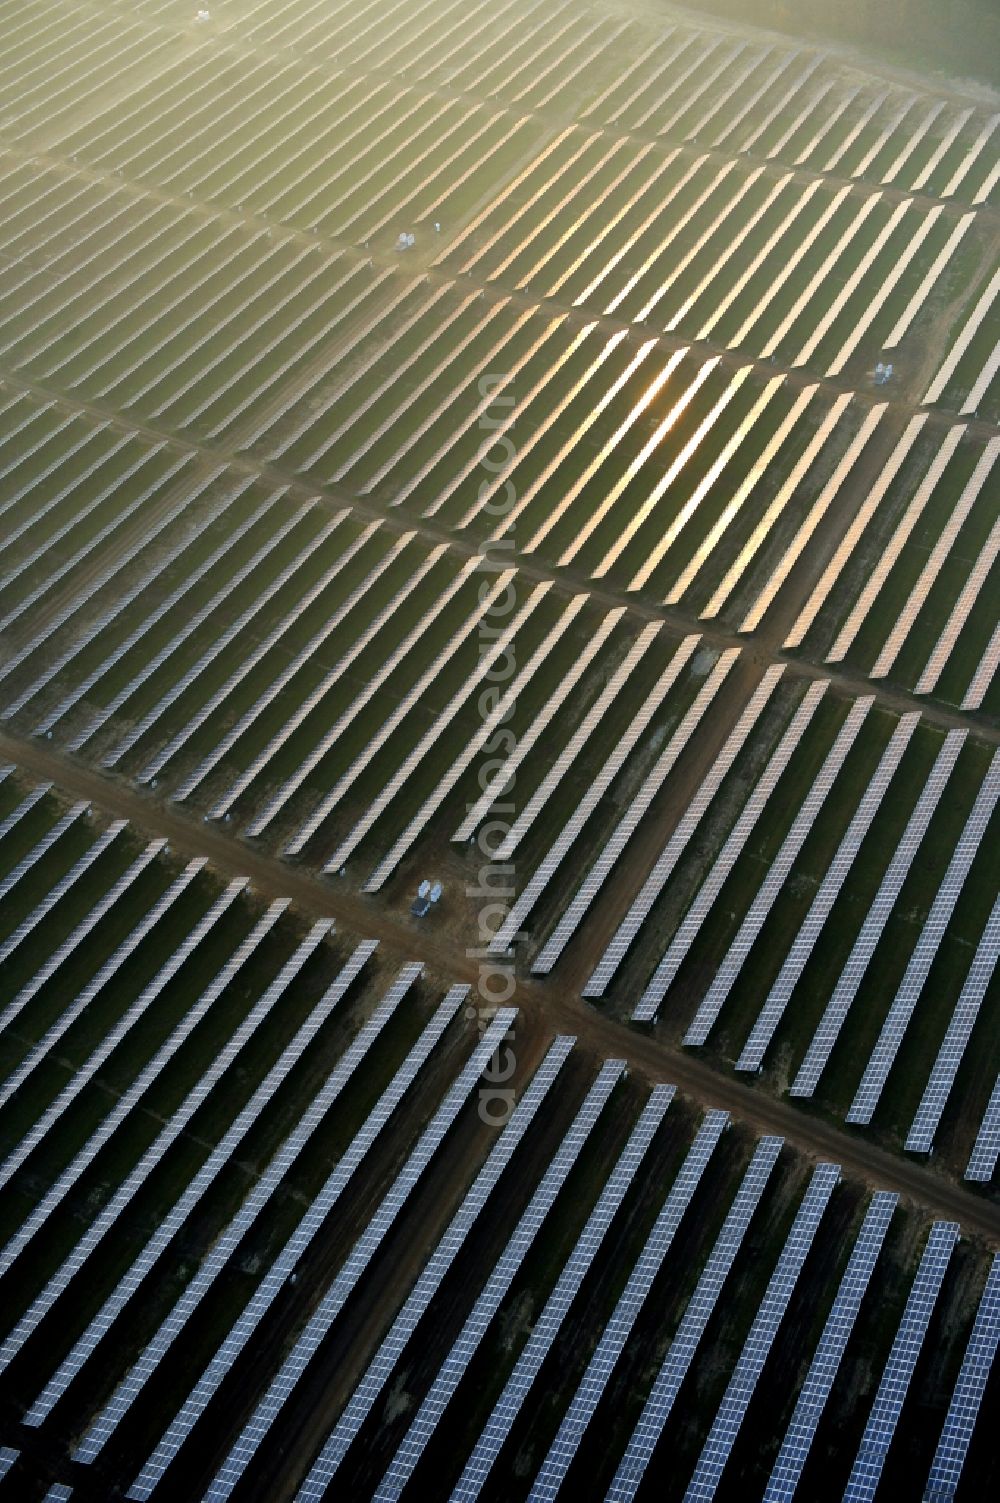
pixel 79 933
pixel 581 735
pixel 42 848
pixel 472 749
pixel 761 1337
pixel 227 1241
pixel 243 672
pixel 112 967
pixel 168 608
pixel 777 874
pixel 836 875
pixel 170 1224
pixel 125 1105
pixel 488 1301
pixel 898 1372
pixel 967 1396
pixel 381 1367
pixel 686 827
pixel 552 1472
pixel 547 1327
pixel 905 1001
pixel 602 780
pixel 322 1318
pixel 623 832
pixel 825 1365
pixel 262 818
pixel 656 988
pixel 920 1138
pixel 843 995
pixel 681 1352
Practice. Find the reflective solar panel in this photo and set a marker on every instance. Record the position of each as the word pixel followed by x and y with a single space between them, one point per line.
pixel 662 871
pixel 815 1391
pixel 432 1274
pixel 131 1097
pixel 761 1337
pixel 846 989
pixel 646 1008
pixel 920 1138
pixel 597 787
pixel 228 1239
pixel 966 1400
pixel 474 746
pixel 488 1302
pixel 174 1218
pixel 546 1328
pixel 614 1337
pixel 181 685
pixel 616 844
pixel 322 1318
pixel 945 898
pixel 132 1015
pixel 59 889
pixel 802 946
pixel 986 1150
pixel 778 872
pixel 884 1415
pixel 681 1352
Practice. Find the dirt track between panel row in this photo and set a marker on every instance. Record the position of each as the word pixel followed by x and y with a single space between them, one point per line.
pixel 550 1005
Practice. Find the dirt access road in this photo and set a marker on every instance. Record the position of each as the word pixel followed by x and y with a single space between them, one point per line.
pixel 548 1006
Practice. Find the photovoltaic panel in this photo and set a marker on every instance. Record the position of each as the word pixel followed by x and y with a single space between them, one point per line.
pixel 62 887
pixel 646 1008
pixel 920 1138
pixel 421 685
pixel 48 840
pixel 746 1375
pixel 381 1366
pixel 228 1239
pixel 377 806
pixel 548 1325
pixel 885 1411
pixel 14 818
pixel 62 952
pixel 777 874
pixel 618 840
pixel 179 686
pixel 826 1362
pixel 322 1318
pixel 905 1001
pixel 471 750
pixel 171 1222
pixel 557 1462
pixel 131 1097
pixel 852 975
pixel 595 790
pixel 966 1400
pixel 553 703
pixel 681 1352
pixel 289 1256
pixel 672 852
pixel 487 1304
pixel 120 1030
pixel 595 717
pixel 986 1149
pixel 836 875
